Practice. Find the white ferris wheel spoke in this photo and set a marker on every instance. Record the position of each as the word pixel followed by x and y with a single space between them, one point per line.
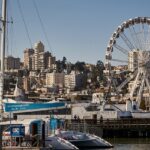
pixel 148 39
pixel 138 44
pixel 141 90
pixel 119 60
pixel 123 50
pixel 134 37
pixel 127 41
pixel 126 81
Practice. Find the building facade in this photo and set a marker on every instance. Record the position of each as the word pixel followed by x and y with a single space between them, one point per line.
pixel 55 79
pixel 11 63
pixel 28 55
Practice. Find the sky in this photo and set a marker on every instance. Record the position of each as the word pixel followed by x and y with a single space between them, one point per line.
pixel 77 29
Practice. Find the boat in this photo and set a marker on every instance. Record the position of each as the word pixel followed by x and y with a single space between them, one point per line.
pixel 55 142
pixel 79 139
pixel 84 140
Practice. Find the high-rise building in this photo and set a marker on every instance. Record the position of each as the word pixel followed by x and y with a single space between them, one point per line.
pixel 39 56
pixel 38 59
pixel 28 55
pixel 49 60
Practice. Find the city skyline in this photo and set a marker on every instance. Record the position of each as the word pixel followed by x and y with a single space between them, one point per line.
pixel 77 29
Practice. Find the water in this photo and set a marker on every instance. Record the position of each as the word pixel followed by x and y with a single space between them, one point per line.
pixel 129 144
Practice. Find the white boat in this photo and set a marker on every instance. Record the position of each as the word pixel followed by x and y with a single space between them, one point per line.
pixel 55 142
pixel 84 140
pixel 79 139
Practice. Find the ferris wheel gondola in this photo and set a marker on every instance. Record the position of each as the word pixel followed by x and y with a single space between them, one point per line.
pixel 129 50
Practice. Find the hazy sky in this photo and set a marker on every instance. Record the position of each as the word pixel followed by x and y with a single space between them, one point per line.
pixel 76 29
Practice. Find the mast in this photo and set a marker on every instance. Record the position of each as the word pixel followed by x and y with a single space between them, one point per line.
pixel 2 51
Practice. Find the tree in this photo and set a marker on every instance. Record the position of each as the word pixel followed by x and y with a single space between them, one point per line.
pixel 142 105
pixel 100 68
pixel 80 66
pixel 63 62
pixel 58 66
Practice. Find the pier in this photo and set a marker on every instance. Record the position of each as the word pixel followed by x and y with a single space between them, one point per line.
pixel 112 127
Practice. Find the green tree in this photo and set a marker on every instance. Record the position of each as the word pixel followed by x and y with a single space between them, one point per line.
pixel 79 66
pixel 142 105
pixel 100 69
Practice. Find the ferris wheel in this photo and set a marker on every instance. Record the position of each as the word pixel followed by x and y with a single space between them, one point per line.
pixel 127 60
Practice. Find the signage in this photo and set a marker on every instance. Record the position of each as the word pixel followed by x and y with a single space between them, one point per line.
pixel 17 131
pixel 14 107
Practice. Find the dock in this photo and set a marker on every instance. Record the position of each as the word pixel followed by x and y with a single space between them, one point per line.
pixel 112 127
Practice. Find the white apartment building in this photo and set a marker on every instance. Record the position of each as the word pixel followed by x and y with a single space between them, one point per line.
pixel 54 79
pixel 136 59
pixel 28 54
pixel 73 80
pixel 133 60
pixel 70 80
pixel 39 55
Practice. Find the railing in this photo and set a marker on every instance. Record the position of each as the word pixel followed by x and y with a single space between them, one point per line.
pixel 108 127
pixel 118 121
pixel 33 141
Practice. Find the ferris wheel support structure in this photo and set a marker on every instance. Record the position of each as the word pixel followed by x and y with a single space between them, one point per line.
pixel 129 47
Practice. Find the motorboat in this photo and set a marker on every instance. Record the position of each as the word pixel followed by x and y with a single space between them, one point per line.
pixel 58 143
pixel 84 140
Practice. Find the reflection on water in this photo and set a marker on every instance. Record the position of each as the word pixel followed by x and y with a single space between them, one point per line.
pixel 129 144
pixel 131 147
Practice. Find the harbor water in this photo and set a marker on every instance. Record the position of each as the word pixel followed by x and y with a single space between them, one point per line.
pixel 129 143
